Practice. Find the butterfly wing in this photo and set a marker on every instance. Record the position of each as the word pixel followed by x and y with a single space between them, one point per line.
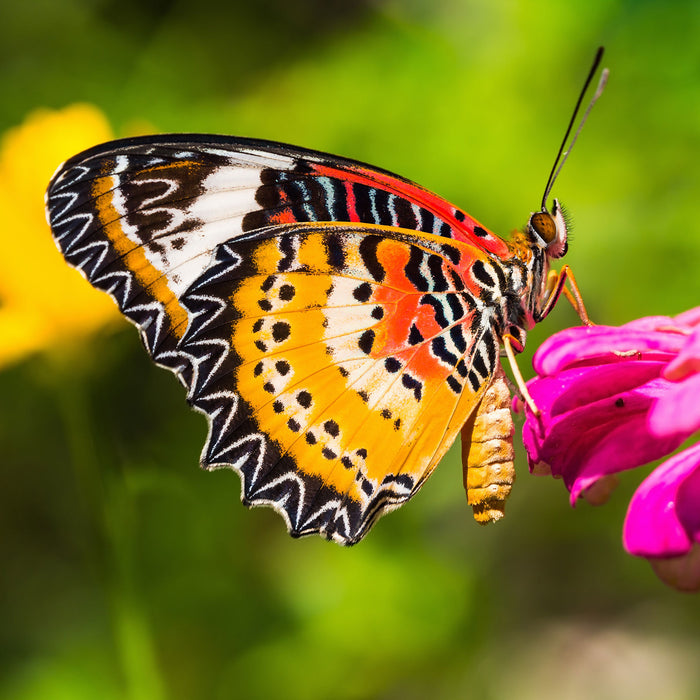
pixel 181 229
pixel 336 364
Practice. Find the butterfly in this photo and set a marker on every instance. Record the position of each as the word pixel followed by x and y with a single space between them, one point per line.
pixel 337 324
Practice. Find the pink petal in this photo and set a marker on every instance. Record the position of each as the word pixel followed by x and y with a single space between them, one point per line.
pixel 662 519
pixel 688 504
pixel 689 319
pixel 651 323
pixel 688 359
pixel 579 386
pixel 622 445
pixel 677 412
pixel 572 389
pixel 594 423
pixel 604 345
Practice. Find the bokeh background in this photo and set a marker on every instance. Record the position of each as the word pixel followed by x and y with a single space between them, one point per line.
pixel 125 571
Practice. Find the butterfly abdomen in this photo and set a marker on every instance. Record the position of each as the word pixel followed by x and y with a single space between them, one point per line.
pixel 487 452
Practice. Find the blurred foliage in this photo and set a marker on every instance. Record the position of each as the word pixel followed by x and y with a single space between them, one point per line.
pixel 128 573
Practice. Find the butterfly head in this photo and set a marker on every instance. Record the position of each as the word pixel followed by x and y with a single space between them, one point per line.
pixel 548 230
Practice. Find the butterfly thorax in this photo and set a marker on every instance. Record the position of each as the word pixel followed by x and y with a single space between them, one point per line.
pixel 525 271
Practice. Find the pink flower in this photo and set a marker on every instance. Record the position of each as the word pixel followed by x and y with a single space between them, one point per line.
pixel 612 399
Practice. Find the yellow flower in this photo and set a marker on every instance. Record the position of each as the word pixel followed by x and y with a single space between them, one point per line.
pixel 43 302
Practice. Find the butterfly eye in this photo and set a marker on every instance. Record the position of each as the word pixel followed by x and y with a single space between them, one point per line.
pixel 542 223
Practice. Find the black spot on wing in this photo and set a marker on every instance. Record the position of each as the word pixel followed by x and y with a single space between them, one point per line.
pixel 438 309
pixel 451 253
pixel 280 331
pixel 382 207
pixel 439 282
pixel 268 194
pixel 454 301
pixel 479 364
pixel 366 341
pixel 414 335
pixel 439 349
pixel 491 348
pixel 392 365
pixel 282 366
pixel 304 399
pixel 457 337
pixel 482 275
pixel 332 428
pixel 454 384
pixel 501 276
pixel 287 292
pixel 254 220
pixel 368 253
pixel 338 203
pixel 363 202
pixel 405 216
pixel 474 380
pixel 286 247
pixel 427 223
pixel 457 281
pixel 362 292
pixel 302 166
pixel 413 271
pixel 413 384
pixel 335 251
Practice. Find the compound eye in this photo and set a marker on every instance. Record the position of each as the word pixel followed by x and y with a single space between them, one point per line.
pixel 544 226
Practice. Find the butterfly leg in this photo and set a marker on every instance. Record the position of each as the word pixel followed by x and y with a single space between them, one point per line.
pixel 556 285
pixel 511 345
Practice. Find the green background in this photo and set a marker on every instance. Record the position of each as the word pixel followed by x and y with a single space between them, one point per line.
pixel 125 572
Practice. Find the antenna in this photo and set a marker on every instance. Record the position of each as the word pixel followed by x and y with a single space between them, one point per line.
pixel 561 155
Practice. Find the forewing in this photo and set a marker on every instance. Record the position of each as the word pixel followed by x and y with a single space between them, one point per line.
pixel 141 217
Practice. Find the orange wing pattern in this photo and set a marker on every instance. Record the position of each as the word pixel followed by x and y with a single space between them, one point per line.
pixel 343 364
pixel 335 323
